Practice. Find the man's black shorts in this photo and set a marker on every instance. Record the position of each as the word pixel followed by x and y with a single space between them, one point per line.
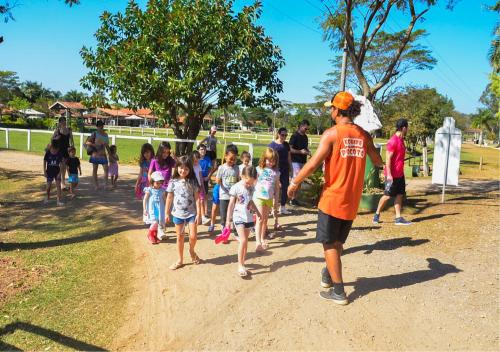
pixel 331 229
pixel 398 187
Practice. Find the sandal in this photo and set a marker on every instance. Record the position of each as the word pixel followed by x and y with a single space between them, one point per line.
pixel 195 259
pixel 242 272
pixel 176 266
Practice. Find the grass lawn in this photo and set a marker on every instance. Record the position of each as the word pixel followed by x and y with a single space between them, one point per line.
pixel 129 150
pixel 63 272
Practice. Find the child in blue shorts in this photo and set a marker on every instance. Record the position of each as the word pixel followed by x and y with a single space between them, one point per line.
pixel 215 207
pixel 73 169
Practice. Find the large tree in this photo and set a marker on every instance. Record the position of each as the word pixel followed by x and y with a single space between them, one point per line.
pixel 425 110
pixel 184 57
pixel 74 95
pixel 377 53
pixel 9 86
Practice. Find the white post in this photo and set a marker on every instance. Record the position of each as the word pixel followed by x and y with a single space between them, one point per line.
pixel 29 140
pixel 142 131
pixel 81 145
pixel 154 131
pixel 150 140
pixel 7 138
pixel 446 165
pixel 113 139
pixel 130 130
pixel 250 150
pixel 120 129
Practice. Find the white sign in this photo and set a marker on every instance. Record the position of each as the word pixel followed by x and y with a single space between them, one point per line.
pixel 447 147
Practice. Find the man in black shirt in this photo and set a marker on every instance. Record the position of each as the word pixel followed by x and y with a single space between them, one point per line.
pixel 299 148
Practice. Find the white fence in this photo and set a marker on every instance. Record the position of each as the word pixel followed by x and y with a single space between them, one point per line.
pixel 113 139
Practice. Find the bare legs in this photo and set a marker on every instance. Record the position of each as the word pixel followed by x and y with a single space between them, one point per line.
pixel 261 227
pixel 332 254
pixel 179 230
pixel 243 234
pixel 94 175
pixel 398 202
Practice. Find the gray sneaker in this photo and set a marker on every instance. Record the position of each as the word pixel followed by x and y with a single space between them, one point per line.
pixel 326 280
pixel 402 221
pixel 335 298
pixel 376 218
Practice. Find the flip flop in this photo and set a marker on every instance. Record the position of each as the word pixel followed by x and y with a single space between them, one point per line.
pixel 195 259
pixel 242 272
pixel 176 266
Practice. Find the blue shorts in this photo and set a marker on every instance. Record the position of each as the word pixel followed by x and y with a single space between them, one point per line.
pixel 215 194
pixel 73 178
pixel 179 221
pixel 101 160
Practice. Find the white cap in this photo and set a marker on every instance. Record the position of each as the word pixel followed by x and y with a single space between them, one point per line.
pixel 157 176
pixel 213 129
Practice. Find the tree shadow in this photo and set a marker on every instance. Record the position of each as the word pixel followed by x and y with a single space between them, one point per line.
pixel 363 285
pixel 386 245
pixel 431 217
pixel 47 333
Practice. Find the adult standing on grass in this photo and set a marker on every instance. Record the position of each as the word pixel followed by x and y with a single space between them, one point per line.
pixel 99 144
pixel 64 136
pixel 343 148
pixel 394 172
pixel 211 142
pixel 299 149
pixel 281 146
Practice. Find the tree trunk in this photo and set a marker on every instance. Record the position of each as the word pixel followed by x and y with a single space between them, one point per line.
pixel 481 138
pixel 192 125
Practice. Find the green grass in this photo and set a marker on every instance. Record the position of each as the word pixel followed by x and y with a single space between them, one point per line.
pixel 79 291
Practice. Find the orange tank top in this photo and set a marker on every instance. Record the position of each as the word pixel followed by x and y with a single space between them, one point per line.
pixel 344 173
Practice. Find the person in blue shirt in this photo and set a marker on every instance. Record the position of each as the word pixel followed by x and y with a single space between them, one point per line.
pixel 207 169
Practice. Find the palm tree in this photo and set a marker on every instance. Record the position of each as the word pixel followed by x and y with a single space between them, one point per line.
pixel 483 119
pixel 494 52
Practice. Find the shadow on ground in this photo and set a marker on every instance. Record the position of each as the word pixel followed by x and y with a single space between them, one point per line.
pixel 61 339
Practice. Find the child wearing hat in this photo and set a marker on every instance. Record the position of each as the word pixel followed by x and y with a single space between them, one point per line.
pixel 154 208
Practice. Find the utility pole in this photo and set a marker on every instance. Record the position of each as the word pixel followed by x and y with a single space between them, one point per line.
pixel 343 72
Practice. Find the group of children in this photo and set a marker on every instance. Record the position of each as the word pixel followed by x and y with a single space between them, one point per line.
pixel 175 190
pixel 55 160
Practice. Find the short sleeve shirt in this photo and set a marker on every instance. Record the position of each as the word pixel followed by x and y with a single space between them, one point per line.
pixel 299 142
pixel 282 149
pixel 211 143
pixel 243 197
pixel 73 164
pixel 229 176
pixel 206 165
pixel 166 171
pixel 184 205
pixel 396 145
pixel 53 161
pixel 266 183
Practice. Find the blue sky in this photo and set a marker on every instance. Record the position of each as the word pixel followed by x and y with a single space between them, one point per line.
pixel 43 45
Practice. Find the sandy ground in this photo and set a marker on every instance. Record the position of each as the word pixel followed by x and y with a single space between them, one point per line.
pixel 430 286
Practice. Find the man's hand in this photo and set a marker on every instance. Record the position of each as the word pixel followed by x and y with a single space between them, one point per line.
pixel 292 189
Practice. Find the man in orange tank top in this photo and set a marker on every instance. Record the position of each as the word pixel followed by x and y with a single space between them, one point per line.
pixel 343 148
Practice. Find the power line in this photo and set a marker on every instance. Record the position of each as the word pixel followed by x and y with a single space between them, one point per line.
pixel 293 19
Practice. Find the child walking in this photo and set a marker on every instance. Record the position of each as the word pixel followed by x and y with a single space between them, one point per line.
pixel 183 208
pixel 266 195
pixel 215 207
pixel 163 162
pixel 206 171
pixel 113 165
pixel 245 160
pixel 239 212
pixel 147 153
pixel 202 196
pixel 153 206
pixel 52 170
pixel 227 176
pixel 74 167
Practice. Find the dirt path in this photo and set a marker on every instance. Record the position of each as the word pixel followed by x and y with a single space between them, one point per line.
pixel 430 286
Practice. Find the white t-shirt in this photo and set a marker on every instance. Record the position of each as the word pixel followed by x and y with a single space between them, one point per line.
pixel 266 183
pixel 228 175
pixel 243 197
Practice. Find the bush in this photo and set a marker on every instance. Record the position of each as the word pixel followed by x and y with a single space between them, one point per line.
pixel 34 124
